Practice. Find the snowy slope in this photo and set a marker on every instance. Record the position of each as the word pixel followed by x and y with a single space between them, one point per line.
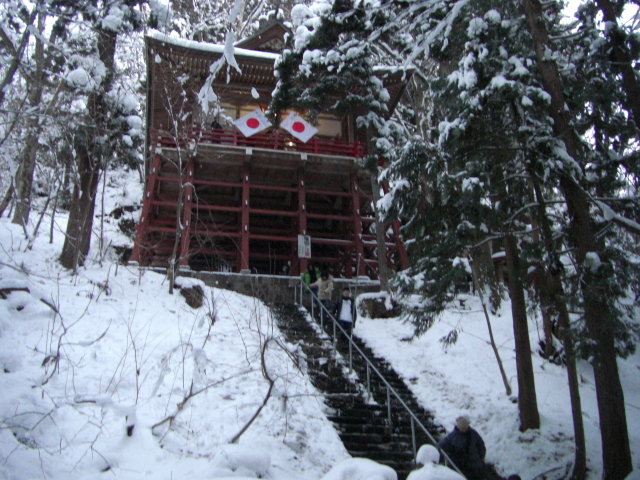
pixel 465 379
pixel 128 354
pixel 70 420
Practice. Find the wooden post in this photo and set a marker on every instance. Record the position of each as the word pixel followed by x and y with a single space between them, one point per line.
pixel 243 263
pixel 302 214
pixel 357 225
pixel 185 239
pixel 141 228
pixel 402 251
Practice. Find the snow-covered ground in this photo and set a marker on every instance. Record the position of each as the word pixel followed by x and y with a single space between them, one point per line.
pixel 465 378
pixel 121 351
pixel 82 357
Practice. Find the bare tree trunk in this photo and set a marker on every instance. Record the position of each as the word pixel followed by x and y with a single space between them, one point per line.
pixel 622 59
pixel 174 260
pixel 480 292
pixel 381 236
pixel 527 401
pixel 546 313
pixel 554 292
pixel 7 198
pixel 89 164
pixel 78 236
pixel 539 284
pixel 580 459
pixel 24 177
pixel 17 54
pixel 383 271
pixel 599 318
pixel 27 161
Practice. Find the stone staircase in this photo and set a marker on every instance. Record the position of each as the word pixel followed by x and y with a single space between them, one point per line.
pixel 358 408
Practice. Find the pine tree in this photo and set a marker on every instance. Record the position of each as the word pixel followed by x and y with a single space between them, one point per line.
pixel 472 180
pixel 499 128
pixel 41 74
pixel 103 128
pixel 600 269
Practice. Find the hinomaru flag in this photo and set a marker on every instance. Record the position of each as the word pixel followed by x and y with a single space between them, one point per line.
pixel 298 127
pixel 252 123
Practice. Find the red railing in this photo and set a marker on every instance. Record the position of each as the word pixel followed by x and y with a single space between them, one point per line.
pixel 268 141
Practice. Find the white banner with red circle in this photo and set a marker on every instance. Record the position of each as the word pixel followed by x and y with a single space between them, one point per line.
pixel 298 127
pixel 252 123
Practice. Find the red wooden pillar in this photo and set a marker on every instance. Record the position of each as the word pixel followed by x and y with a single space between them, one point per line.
pixel 185 239
pixel 302 215
pixel 143 224
pixel 348 262
pixel 243 260
pixel 357 225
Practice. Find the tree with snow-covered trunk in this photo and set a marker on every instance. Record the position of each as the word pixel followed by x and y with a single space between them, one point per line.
pixel 622 56
pixel 553 290
pixel 463 185
pixel 89 161
pixel 598 314
pixel 440 32
pixel 16 44
pixel 527 399
pixel 97 137
pixel 43 61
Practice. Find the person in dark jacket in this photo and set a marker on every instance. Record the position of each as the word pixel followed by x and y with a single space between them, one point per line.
pixel 466 449
pixel 345 311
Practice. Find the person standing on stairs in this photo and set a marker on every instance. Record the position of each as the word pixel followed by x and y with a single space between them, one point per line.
pixel 325 287
pixel 345 311
pixel 466 449
pixel 309 277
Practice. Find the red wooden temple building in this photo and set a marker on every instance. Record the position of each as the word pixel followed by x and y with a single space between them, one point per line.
pixel 226 202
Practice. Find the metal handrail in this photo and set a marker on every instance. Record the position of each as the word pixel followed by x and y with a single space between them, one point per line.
pixel 370 365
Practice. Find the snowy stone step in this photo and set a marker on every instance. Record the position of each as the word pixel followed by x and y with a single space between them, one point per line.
pixel 363 426
pixel 376 439
pixel 402 458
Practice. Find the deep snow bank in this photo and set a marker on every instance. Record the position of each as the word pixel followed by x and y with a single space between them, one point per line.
pixel 464 378
pixel 86 359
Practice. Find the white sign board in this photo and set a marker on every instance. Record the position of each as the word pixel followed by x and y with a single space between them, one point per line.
pixel 304 246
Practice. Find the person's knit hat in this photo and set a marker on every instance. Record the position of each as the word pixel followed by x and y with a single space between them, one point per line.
pixel 463 420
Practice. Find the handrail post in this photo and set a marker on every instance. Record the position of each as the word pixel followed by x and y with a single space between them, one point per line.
pixel 389 409
pixel 413 441
pixel 351 356
pixel 390 389
pixel 335 338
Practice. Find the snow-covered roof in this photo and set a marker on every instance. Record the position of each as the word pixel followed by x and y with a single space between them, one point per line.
pixel 269 38
pixel 209 47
